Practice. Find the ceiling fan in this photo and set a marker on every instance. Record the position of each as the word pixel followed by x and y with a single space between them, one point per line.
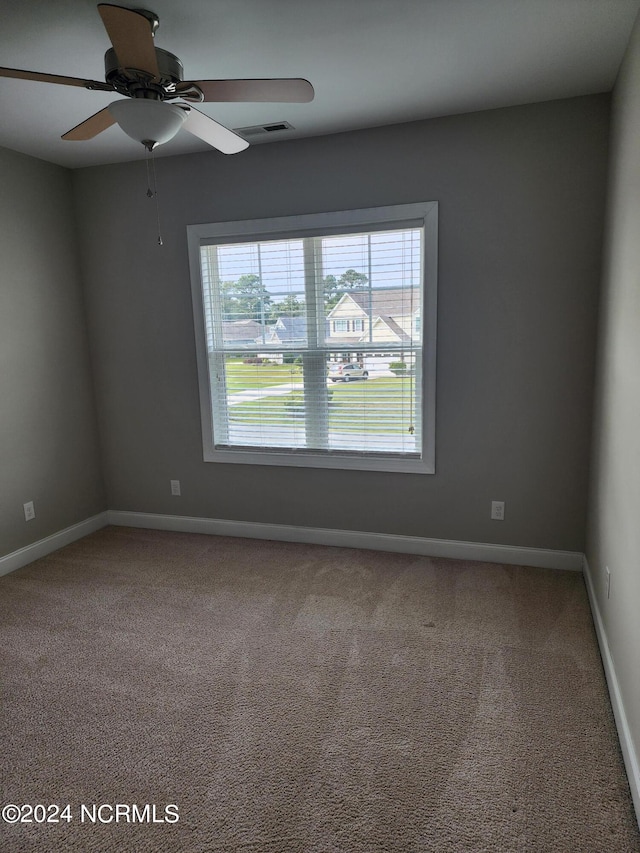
pixel 150 77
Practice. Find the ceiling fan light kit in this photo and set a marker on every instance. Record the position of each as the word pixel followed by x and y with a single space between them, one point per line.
pixel 149 122
pixel 149 76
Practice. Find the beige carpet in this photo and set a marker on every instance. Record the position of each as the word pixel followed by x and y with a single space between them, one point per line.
pixel 302 698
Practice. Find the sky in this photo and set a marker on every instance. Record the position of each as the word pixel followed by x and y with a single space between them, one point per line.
pixel 394 260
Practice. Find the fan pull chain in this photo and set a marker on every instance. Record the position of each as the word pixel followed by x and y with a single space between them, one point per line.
pixel 153 193
pixel 149 190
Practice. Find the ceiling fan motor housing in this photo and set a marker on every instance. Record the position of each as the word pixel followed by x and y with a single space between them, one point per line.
pixel 141 84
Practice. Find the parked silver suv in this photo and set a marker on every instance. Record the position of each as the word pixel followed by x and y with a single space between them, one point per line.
pixel 347 372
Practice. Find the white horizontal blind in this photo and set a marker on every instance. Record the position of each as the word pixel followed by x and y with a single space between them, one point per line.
pixel 314 343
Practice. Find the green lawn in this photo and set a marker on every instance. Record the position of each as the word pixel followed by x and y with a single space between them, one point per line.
pixel 243 377
pixel 380 406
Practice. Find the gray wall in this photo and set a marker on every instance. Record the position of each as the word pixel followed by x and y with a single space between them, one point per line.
pixel 614 511
pixel 48 430
pixel 521 195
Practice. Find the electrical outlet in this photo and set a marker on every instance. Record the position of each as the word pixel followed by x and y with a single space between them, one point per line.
pixel 497 510
pixel 608 580
pixel 29 511
pixel 175 488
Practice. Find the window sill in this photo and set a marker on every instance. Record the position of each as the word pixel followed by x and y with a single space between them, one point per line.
pixel 308 459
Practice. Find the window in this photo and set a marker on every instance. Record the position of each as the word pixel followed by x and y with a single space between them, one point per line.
pixel 291 317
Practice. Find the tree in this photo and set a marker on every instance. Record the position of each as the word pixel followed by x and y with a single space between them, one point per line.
pixel 245 299
pixel 229 300
pixel 352 280
pixel 332 292
pixel 289 307
pixel 334 288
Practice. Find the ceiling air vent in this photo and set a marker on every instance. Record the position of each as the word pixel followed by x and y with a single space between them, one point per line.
pixel 264 129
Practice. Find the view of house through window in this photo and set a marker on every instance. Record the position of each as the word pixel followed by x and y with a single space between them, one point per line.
pixel 314 343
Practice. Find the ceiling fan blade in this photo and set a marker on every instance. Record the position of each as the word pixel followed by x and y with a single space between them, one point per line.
pixel 293 90
pixel 90 127
pixel 54 78
pixel 217 135
pixel 131 35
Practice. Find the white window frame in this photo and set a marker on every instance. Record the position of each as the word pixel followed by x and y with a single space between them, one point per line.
pixel 422 214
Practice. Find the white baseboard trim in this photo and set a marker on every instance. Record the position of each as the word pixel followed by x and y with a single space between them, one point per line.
pixel 484 552
pixel 627 745
pixel 26 555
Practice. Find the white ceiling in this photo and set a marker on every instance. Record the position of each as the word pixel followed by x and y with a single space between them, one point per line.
pixel 372 62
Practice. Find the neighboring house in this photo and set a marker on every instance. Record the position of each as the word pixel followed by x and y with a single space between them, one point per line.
pixel 243 332
pixel 287 331
pixel 376 314
pixel 386 329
